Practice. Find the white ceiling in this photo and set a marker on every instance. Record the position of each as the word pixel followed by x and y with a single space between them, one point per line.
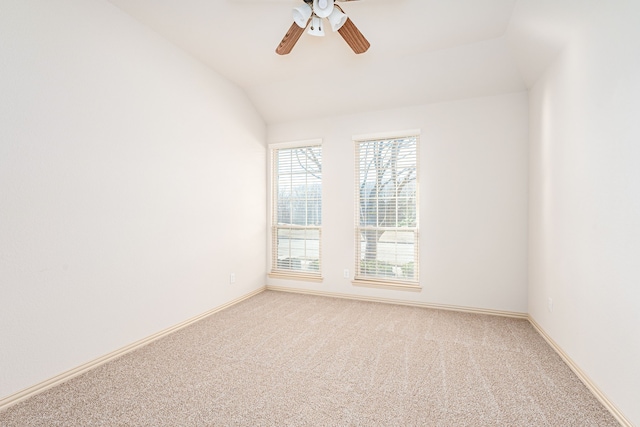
pixel 422 51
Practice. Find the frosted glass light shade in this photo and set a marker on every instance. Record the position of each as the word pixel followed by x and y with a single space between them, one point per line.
pixel 322 9
pixel 301 15
pixel 337 19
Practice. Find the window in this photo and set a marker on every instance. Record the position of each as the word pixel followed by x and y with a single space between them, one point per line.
pixel 387 212
pixel 297 211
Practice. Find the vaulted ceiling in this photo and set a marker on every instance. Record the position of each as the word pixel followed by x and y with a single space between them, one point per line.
pixel 422 51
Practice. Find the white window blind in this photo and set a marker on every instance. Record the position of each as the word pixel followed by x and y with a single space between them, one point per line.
pixel 387 210
pixel 297 210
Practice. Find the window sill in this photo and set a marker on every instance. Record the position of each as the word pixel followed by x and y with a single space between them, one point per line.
pixel 296 276
pixel 387 284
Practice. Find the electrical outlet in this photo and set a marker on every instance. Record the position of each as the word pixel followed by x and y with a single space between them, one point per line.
pixel 232 278
pixel 550 305
pixel 345 273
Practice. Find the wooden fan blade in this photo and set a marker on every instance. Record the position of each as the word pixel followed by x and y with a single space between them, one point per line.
pixel 290 39
pixel 354 37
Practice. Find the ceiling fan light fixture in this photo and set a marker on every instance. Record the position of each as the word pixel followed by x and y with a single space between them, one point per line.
pixel 301 15
pixel 316 27
pixel 315 11
pixel 337 19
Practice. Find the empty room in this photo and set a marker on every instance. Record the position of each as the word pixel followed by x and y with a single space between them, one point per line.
pixel 322 213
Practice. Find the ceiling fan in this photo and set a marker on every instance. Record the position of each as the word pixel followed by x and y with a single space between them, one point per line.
pixel 314 11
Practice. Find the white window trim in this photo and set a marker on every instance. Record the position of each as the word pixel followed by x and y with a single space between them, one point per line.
pixel 280 274
pixel 386 135
pixel 293 144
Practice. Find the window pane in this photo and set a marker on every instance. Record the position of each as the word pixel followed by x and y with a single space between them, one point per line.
pixel 298 249
pixel 386 187
pixel 297 209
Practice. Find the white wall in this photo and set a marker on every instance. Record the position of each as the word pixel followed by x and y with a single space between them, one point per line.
pixel 585 199
pixel 131 185
pixel 473 199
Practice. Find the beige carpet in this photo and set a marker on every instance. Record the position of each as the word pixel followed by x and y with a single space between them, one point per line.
pixel 281 359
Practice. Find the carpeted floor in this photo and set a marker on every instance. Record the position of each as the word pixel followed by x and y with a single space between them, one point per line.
pixel 281 359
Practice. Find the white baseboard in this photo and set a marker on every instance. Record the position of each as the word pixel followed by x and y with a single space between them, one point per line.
pixel 402 302
pixel 619 416
pixel 65 376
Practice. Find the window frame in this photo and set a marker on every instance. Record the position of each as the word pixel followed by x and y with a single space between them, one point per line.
pixel 395 283
pixel 274 271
